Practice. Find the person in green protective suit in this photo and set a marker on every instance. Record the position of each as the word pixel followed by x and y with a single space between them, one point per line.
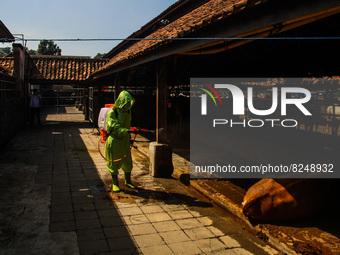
pixel 117 144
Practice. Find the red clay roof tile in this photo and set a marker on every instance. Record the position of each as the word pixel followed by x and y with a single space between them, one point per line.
pixel 204 15
pixel 62 68
pixel 7 64
pixel 56 68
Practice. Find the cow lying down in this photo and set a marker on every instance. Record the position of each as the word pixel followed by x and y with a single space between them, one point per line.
pixel 285 199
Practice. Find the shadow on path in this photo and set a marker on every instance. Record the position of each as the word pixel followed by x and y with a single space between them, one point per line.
pixel 52 197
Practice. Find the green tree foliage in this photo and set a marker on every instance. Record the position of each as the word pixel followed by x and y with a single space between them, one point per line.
pixel 31 52
pixel 47 47
pixel 99 55
pixel 6 51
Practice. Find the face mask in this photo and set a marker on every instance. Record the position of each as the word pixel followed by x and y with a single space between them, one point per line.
pixel 127 106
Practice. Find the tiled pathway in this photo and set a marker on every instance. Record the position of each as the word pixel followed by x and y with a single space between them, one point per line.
pixel 65 164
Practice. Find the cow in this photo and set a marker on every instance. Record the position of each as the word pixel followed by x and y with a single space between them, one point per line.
pixel 287 199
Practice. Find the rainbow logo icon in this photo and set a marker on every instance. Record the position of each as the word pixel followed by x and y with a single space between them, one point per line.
pixel 211 95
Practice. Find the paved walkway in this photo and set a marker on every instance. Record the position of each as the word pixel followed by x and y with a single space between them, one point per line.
pixel 54 201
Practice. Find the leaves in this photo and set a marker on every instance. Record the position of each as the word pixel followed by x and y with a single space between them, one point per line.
pixel 47 47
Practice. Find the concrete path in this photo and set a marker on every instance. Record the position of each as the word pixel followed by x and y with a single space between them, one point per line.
pixel 54 200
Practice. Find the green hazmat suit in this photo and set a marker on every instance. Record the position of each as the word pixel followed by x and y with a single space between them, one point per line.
pixel 117 145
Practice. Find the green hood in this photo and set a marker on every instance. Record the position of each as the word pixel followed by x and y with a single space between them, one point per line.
pixel 124 98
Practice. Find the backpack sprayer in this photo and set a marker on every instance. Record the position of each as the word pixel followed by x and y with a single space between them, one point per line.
pixel 104 135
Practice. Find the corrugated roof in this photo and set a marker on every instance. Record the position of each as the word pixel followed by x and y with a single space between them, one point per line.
pixel 62 68
pixel 200 17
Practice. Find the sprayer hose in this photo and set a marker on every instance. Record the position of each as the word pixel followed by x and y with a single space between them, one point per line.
pixel 116 160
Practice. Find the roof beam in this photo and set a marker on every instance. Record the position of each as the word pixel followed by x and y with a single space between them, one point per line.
pixel 5 34
pixel 224 45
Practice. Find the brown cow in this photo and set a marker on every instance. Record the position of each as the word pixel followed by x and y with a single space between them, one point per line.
pixel 285 199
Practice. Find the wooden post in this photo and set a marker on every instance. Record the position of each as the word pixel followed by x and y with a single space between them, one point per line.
pixel 19 67
pixel 58 102
pixel 161 104
pixel 160 153
pixel 117 87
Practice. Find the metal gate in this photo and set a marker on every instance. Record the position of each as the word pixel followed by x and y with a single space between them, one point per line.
pixel 61 97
